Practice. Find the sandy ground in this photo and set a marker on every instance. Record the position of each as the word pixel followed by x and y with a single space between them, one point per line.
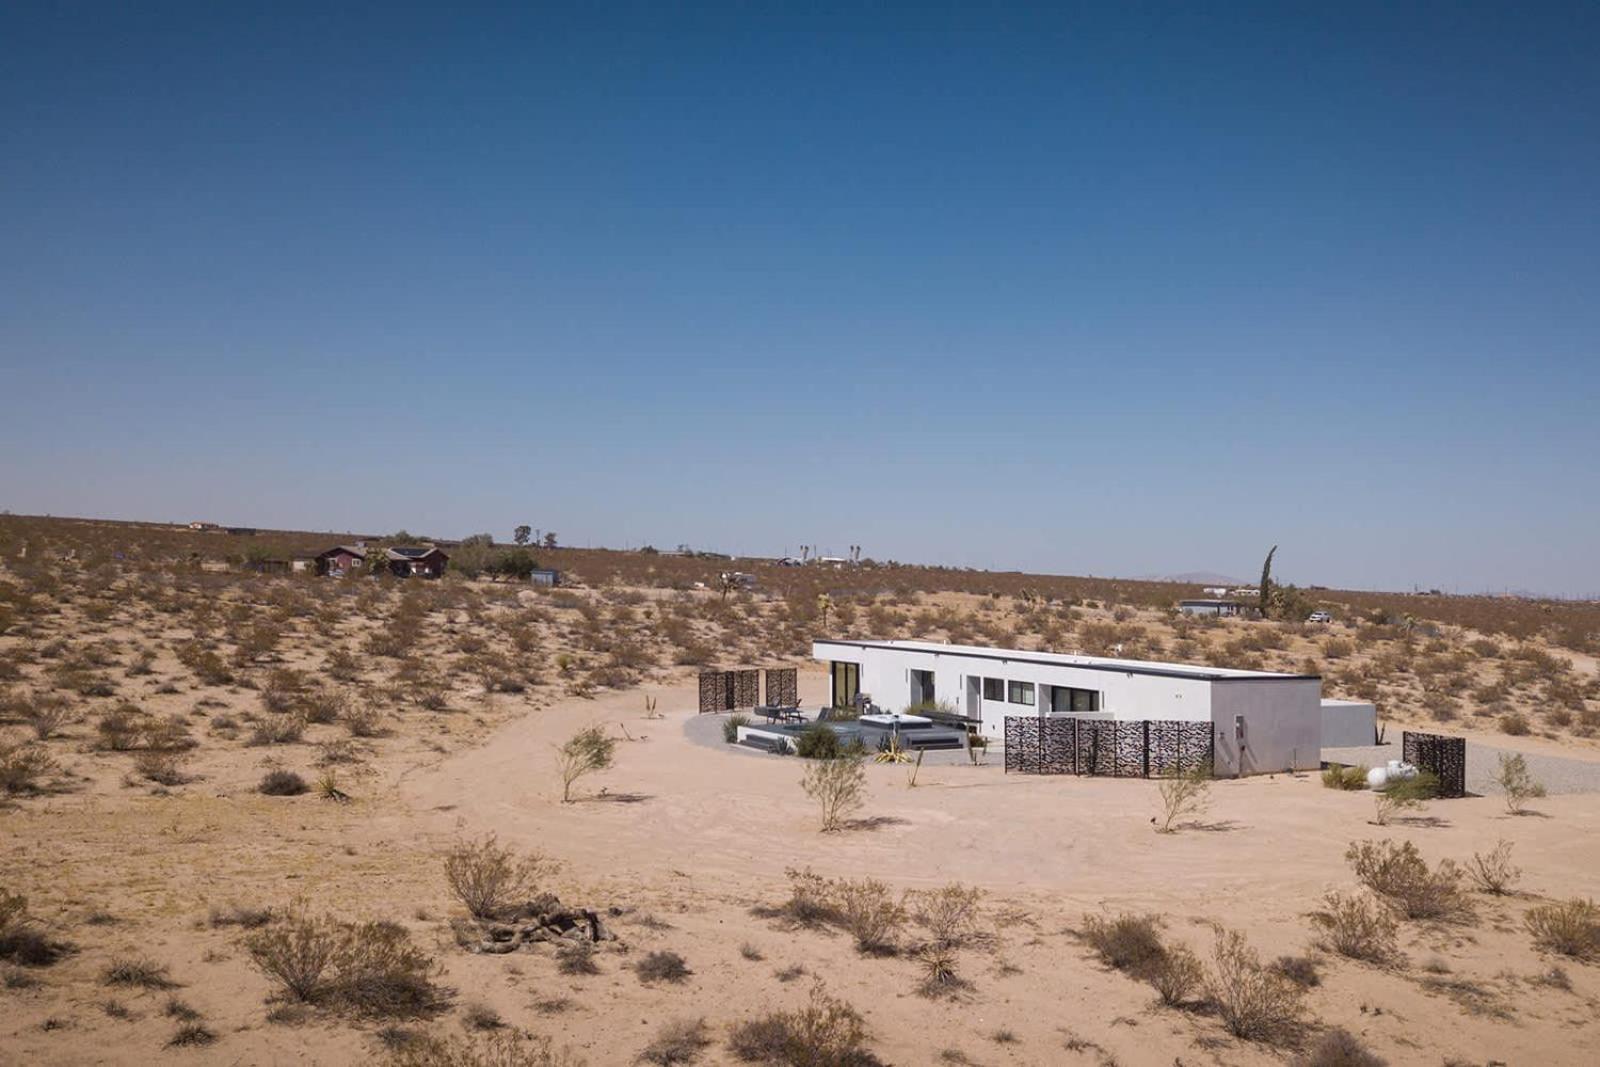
pixel 692 836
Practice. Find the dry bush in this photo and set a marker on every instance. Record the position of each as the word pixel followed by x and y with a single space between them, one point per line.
pixel 1338 1048
pixel 1184 794
pixel 583 753
pixel 576 958
pixel 838 787
pixel 21 767
pixel 192 1035
pixel 500 1048
pixel 139 972
pixel 662 967
pixel 1254 1002
pixel 45 713
pixel 368 968
pixel 363 720
pixel 21 942
pixel 949 914
pixel 282 783
pixel 1493 872
pixel 824 1033
pixel 1514 723
pixel 939 977
pixel 1407 794
pixel 488 879
pixel 810 903
pixel 1177 974
pixel 869 910
pixel 1400 875
pixel 1357 926
pixel 1570 928
pixel 677 1043
pixel 322 705
pixel 119 728
pixel 1128 942
pixel 1519 785
pixel 1301 970
pixel 278 730
pixel 163 768
pixel 1350 779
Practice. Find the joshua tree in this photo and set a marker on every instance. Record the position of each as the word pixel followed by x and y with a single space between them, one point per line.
pixel 550 539
pixel 1265 592
pixel 824 604
pixel 521 534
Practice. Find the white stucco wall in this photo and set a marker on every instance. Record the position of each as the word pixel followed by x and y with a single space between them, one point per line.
pixel 1282 725
pixel 1348 724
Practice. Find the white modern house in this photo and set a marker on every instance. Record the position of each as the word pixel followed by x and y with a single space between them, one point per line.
pixel 1262 721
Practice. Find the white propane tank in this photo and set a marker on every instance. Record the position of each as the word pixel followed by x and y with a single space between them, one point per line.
pixel 1377 778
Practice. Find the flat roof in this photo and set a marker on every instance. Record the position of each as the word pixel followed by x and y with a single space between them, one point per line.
pixel 1092 663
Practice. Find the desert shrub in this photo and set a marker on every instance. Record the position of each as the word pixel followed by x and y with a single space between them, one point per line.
pixel 21 767
pixel 192 1035
pixel 1492 871
pixel 662 967
pixel 1338 776
pixel 576 958
pixel 1518 784
pixel 1126 942
pixel 676 1043
pixel 1357 926
pixel 501 1048
pixel 869 910
pixel 163 768
pixel 363 720
pixel 378 972
pixel 939 977
pixel 166 734
pixel 585 752
pixel 837 786
pixel 949 914
pixel 730 726
pixel 137 971
pixel 810 900
pixel 282 783
pixel 818 741
pixel 278 730
pixel 1514 723
pixel 824 1033
pixel 297 953
pixel 45 713
pixel 1337 1048
pixel 1254 1002
pixel 1183 794
pixel 488 878
pixel 118 729
pixel 323 706
pixel 1400 875
pixel 281 690
pixel 1406 794
pixel 1301 970
pixel 1176 974
pixel 243 917
pixel 1570 928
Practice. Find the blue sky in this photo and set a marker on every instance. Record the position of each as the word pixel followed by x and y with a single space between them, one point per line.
pixel 1124 289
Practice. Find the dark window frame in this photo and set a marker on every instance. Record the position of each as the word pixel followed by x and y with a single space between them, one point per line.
pixel 997 686
pixel 1014 688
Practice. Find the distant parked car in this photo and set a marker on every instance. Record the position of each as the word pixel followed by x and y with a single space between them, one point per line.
pixel 1320 616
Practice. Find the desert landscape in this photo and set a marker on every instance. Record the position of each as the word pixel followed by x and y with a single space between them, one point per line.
pixel 249 815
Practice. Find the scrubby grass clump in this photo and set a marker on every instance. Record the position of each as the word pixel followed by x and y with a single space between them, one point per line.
pixel 1133 944
pixel 488 878
pixel 1254 1002
pixel 281 783
pixel 1338 1048
pixel 825 1033
pixel 677 1043
pixel 662 967
pixel 871 912
pixel 1400 875
pixel 369 969
pixel 22 766
pixel 1493 872
pixel 500 1048
pixel 1569 928
pixel 1338 776
pixel 21 942
pixel 1357 926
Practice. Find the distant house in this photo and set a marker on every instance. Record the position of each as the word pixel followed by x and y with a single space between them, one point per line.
pixel 544 576
pixel 302 563
pixel 341 560
pixel 412 561
pixel 204 526
pixel 1208 606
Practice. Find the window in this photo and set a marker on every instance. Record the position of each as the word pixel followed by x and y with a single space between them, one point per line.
pixel 1021 693
pixel 1066 698
pixel 994 689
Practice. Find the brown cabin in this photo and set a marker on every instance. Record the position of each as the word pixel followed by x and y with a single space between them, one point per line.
pixel 410 561
pixel 341 560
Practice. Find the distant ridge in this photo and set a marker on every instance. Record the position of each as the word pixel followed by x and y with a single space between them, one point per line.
pixel 1194 578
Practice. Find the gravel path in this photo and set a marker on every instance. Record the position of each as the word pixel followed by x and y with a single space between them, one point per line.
pixel 1557 773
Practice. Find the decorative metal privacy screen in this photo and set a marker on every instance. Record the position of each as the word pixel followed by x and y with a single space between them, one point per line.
pixel 783 687
pixel 1115 749
pixel 1443 757
pixel 726 690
